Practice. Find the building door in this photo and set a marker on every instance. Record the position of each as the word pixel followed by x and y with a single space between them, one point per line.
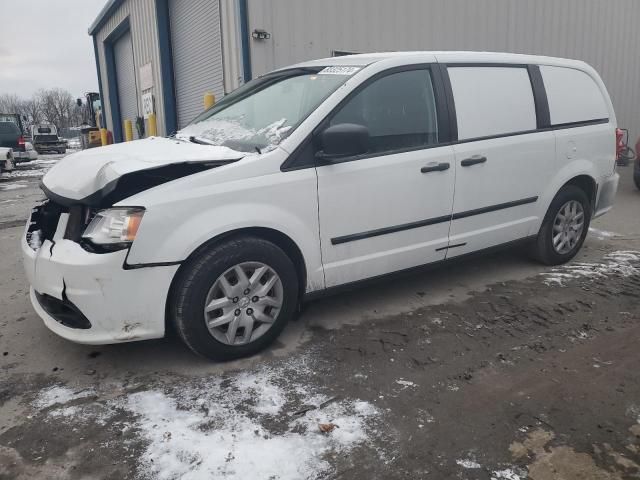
pixel 126 78
pixel 197 54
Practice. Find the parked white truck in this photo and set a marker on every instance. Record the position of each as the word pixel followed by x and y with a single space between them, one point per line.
pixel 44 138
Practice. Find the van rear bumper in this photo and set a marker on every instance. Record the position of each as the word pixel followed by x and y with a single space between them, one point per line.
pixel 606 194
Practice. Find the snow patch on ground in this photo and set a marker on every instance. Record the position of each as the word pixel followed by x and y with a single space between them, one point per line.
pixel 468 464
pixel 405 383
pixel 13 186
pixel 624 263
pixel 23 173
pixel 507 474
pixel 602 234
pixel 214 431
pixel 59 395
pixel 261 424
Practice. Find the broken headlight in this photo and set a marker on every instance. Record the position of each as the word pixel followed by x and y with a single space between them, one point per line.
pixel 115 227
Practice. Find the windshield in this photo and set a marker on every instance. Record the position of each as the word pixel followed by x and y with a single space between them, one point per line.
pixel 262 113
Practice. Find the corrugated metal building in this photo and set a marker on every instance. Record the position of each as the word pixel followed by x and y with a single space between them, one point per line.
pixel 176 50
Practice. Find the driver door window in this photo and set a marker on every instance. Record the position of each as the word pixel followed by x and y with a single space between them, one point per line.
pixel 399 110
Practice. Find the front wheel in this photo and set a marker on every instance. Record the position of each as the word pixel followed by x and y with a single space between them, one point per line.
pixel 233 299
pixel 564 228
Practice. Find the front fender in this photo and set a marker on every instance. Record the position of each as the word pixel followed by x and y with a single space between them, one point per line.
pixel 286 202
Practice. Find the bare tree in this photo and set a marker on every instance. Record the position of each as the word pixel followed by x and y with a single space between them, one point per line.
pixel 11 103
pixel 57 106
pixel 33 110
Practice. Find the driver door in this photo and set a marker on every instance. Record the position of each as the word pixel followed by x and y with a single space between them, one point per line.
pixel 390 208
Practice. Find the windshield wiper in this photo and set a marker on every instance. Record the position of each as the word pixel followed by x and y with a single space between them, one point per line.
pixel 200 141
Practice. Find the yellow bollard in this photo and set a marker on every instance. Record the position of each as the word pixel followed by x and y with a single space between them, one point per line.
pixel 128 130
pixel 153 126
pixel 209 100
pixel 103 136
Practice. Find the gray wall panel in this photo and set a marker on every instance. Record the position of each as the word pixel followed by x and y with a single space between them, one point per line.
pixel 602 33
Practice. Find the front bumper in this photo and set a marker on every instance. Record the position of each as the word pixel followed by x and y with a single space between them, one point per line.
pixel 119 305
pixel 606 194
pixel 49 146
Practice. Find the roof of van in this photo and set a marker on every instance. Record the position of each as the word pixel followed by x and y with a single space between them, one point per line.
pixel 443 57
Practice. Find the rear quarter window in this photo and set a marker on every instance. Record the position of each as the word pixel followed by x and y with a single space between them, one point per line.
pixel 9 128
pixel 573 96
pixel 492 101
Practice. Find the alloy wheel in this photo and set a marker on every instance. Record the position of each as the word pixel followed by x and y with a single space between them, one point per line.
pixel 568 227
pixel 243 303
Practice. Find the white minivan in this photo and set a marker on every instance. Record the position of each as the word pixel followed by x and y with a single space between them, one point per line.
pixel 314 177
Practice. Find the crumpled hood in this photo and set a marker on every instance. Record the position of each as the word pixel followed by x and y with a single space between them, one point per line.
pixel 82 174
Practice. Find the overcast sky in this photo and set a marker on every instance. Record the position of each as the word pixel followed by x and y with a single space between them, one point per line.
pixel 45 44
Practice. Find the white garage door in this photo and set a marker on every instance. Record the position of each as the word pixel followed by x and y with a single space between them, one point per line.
pixel 126 77
pixel 197 54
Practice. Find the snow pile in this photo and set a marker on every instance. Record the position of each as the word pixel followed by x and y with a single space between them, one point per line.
pixel 58 395
pixel 624 263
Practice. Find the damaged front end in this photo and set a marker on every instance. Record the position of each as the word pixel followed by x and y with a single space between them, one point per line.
pixel 75 255
pixel 45 217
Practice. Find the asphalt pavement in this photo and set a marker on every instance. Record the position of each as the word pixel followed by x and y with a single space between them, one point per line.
pixel 492 368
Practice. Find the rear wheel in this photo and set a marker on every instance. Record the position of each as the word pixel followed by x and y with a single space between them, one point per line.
pixel 234 299
pixel 564 228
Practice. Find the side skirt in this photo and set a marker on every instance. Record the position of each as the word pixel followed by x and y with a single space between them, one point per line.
pixel 351 286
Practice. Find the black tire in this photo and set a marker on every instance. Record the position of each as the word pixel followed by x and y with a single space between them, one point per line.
pixel 636 180
pixel 196 277
pixel 543 249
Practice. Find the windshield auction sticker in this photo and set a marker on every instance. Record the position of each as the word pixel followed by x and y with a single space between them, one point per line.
pixel 339 71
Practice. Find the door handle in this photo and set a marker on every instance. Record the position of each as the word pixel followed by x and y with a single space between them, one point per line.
pixel 438 167
pixel 475 160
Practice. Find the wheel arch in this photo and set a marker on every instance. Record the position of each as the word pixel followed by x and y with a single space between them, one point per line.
pixel 588 185
pixel 290 248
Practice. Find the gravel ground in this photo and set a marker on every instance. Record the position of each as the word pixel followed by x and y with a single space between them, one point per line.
pixel 495 368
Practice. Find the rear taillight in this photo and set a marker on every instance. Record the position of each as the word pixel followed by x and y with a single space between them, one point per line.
pixel 21 141
pixel 619 143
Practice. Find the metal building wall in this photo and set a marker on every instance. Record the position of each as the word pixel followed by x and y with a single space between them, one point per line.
pixel 144 34
pixel 603 33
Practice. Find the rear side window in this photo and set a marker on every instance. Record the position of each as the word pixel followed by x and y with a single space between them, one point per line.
pixel 9 128
pixel 399 110
pixel 573 96
pixel 492 101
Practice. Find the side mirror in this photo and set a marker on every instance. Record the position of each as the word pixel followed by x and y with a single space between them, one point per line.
pixel 79 102
pixel 343 140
